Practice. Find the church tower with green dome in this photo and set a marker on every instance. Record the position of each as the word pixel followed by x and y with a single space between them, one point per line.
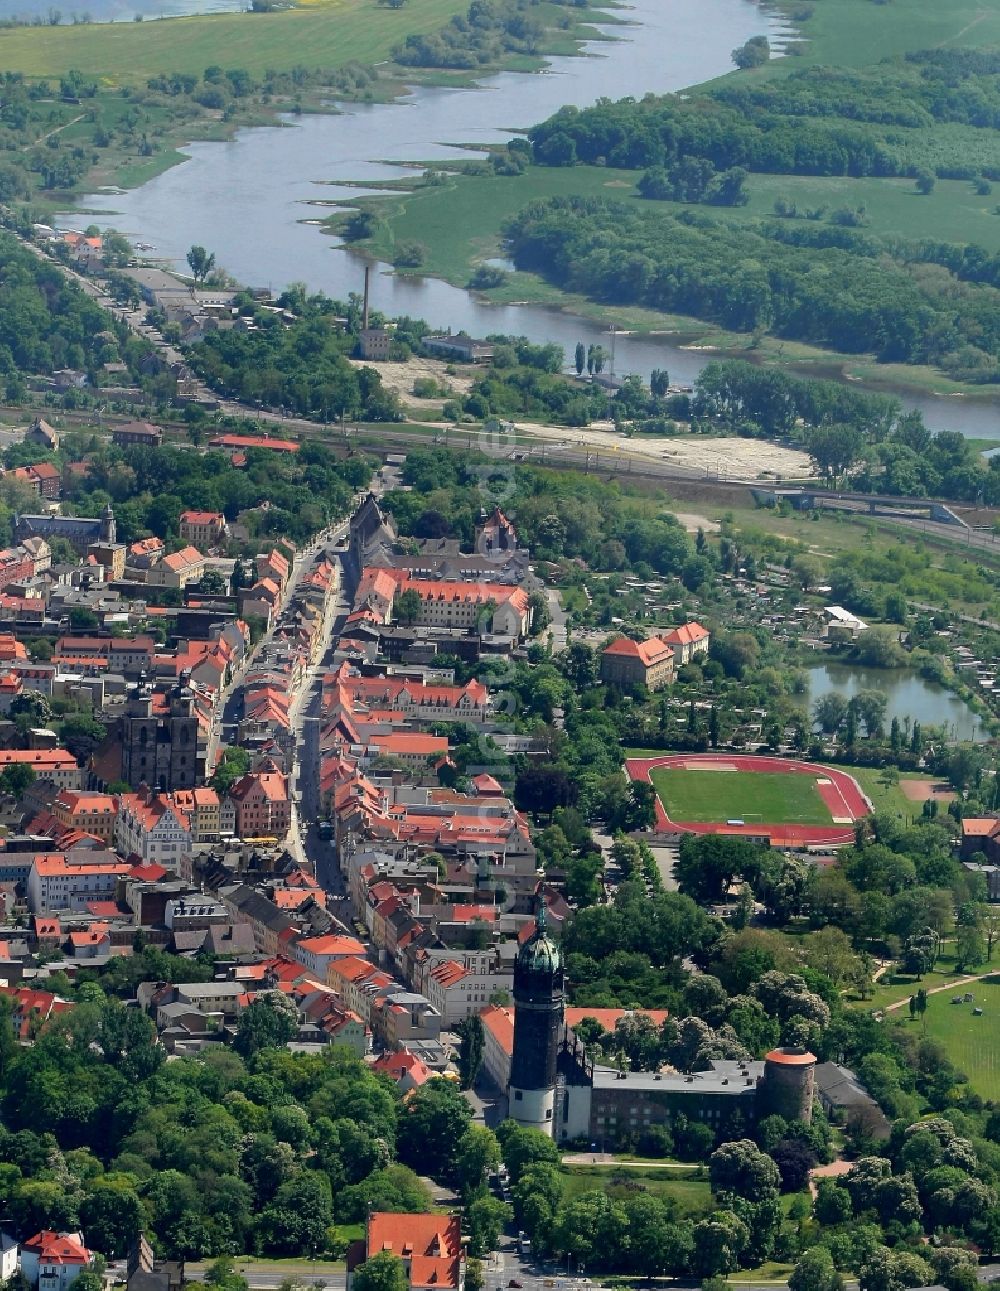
pixel 538 1017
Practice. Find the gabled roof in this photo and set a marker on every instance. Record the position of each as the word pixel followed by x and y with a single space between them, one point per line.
pixel 333 944
pixel 609 1018
pixel 202 517
pixel 57 1248
pixel 686 634
pixel 403 1064
pixel 186 558
pixel 449 974
pixel 648 652
pixel 273 785
pixel 431 1243
pixel 499 1022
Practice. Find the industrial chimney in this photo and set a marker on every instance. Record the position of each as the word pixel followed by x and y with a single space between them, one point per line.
pixel 368 272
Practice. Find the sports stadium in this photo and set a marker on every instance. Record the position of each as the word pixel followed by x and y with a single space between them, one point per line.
pixel 781 801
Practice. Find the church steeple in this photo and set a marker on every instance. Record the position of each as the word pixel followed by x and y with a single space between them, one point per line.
pixel 538 1003
pixel 109 527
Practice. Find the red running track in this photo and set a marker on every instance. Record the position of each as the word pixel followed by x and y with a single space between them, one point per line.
pixel 843 796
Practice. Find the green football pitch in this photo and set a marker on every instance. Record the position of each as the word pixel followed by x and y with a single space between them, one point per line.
pixel 766 797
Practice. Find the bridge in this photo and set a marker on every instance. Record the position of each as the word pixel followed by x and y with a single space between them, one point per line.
pixel 900 508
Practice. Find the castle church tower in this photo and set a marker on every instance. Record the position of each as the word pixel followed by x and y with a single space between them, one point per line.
pixel 538 1004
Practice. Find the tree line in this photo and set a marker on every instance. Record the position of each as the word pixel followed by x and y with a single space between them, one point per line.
pixel 748 279
pixel 818 121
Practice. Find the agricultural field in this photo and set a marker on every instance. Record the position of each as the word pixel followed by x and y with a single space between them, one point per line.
pixel 328 34
pixel 772 797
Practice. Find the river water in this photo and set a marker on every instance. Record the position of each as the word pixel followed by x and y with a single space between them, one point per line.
pixel 114 10
pixel 247 199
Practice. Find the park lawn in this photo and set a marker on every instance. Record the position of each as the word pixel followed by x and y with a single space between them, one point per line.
pixel 692 1195
pixel 896 987
pixel 769 797
pixel 325 35
pixel 972 1044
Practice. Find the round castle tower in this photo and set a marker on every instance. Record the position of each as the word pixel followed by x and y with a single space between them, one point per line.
pixel 788 1085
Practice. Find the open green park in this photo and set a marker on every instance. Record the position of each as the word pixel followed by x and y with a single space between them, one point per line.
pixel 688 1189
pixel 971 1040
pixel 766 796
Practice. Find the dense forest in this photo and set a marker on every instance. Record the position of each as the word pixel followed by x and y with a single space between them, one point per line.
pixel 291 495
pixel 241 1149
pixel 881 120
pixel 752 279
pixel 47 323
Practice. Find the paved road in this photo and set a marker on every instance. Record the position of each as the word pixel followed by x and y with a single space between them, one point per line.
pixel 304 840
pixel 556 631
pixel 268 1279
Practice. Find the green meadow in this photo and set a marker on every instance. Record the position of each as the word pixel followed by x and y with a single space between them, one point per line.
pixel 328 34
pixel 460 221
pixel 972 1043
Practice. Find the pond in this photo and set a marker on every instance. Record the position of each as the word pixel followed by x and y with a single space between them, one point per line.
pixel 909 695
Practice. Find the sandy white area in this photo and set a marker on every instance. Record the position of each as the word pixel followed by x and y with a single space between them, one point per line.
pixel 743 458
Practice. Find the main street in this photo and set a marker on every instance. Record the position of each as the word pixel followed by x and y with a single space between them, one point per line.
pixel 305 841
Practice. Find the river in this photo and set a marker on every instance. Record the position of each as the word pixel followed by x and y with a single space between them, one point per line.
pixel 114 10
pixel 247 199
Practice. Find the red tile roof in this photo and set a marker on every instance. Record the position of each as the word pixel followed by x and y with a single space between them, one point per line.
pixel 648 652
pixel 431 1243
pixel 609 1018
pixel 254 441
pixel 686 634
pixel 202 517
pixel 57 1248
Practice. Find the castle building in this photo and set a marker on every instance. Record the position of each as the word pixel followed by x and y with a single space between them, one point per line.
pixel 556 1088
pixel 80 531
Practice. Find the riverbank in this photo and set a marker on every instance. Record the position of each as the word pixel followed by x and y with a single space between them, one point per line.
pixel 457 218
pixel 367 143
pixel 174 82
